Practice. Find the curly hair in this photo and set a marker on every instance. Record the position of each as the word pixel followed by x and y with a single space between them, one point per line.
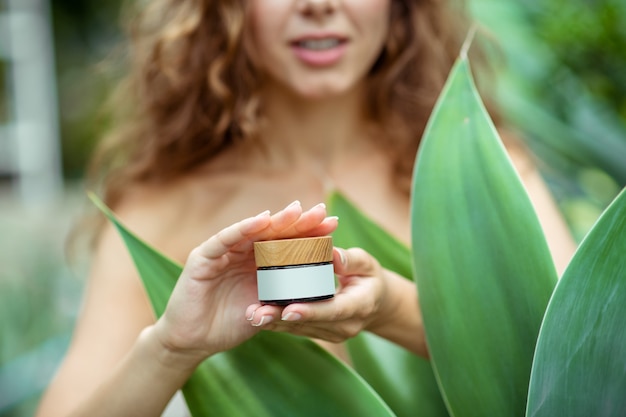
pixel 177 106
pixel 192 89
pixel 423 42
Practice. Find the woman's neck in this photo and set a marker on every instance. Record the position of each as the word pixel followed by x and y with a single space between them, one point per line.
pixel 297 130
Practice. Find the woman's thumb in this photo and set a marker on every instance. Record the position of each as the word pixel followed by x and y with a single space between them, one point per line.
pixel 353 261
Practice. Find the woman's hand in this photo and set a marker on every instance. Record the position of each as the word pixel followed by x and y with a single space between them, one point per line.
pixel 369 298
pixel 206 311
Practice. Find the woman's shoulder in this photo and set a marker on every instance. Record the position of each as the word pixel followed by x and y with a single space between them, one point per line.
pixel 176 216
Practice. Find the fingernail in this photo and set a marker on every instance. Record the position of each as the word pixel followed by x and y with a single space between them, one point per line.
pixel 293 204
pixel 332 218
pixel 320 205
pixel 262 214
pixel 264 320
pixel 251 317
pixel 342 256
pixel 291 316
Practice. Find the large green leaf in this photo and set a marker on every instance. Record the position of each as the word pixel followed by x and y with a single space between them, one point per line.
pixel 405 381
pixel 482 265
pixel 270 375
pixel 280 375
pixel 580 362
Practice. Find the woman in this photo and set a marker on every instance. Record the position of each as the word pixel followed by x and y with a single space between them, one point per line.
pixel 234 108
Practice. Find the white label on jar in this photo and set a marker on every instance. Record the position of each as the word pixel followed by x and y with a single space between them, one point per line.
pixel 296 282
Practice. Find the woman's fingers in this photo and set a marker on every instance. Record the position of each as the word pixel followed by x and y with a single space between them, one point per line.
pixel 312 222
pixel 284 219
pixel 222 242
pixel 292 222
pixel 288 222
pixel 261 315
pixel 309 220
pixel 279 221
pixel 327 320
pixel 326 227
pixel 344 306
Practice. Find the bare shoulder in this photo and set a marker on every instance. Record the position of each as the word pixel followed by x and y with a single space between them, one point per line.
pixel 177 216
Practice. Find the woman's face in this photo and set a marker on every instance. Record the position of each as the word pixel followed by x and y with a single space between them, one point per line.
pixel 318 48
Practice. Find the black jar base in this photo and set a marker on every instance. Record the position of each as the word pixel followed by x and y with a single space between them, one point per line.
pixel 296 300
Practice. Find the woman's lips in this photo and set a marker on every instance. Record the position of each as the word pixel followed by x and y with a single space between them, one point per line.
pixel 319 52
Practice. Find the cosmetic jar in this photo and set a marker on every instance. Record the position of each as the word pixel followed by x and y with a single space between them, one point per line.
pixel 294 270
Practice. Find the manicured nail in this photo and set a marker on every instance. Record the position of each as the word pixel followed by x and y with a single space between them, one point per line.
pixel 251 317
pixel 264 320
pixel 320 205
pixel 291 316
pixel 332 218
pixel 293 204
pixel 262 214
pixel 342 256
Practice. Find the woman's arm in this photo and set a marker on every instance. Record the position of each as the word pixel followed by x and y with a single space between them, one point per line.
pixel 142 384
pixel 121 362
pixel 114 311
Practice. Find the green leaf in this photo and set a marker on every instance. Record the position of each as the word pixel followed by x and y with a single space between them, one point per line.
pixel 482 265
pixel 580 361
pixel 405 381
pixel 277 374
pixel 270 375
pixel 356 229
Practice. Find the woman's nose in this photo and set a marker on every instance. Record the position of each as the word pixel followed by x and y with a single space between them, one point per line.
pixel 317 8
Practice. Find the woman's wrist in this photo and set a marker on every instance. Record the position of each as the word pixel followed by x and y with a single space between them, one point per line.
pixel 389 309
pixel 168 356
pixel 399 318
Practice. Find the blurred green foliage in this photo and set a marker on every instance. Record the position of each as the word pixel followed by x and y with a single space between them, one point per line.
pixel 85 32
pixel 589 38
pixel 585 88
pixel 39 298
pixel 4 110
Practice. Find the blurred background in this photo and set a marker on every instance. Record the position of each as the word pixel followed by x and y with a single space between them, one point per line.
pixel 561 82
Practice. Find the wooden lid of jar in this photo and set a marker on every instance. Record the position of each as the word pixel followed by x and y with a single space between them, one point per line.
pixel 300 251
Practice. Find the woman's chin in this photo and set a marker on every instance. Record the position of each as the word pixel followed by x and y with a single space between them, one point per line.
pixel 313 88
pixel 324 91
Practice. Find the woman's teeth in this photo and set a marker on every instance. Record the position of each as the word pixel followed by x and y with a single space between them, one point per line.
pixel 318 44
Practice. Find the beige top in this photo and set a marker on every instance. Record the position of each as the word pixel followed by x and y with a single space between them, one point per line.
pixel 293 251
